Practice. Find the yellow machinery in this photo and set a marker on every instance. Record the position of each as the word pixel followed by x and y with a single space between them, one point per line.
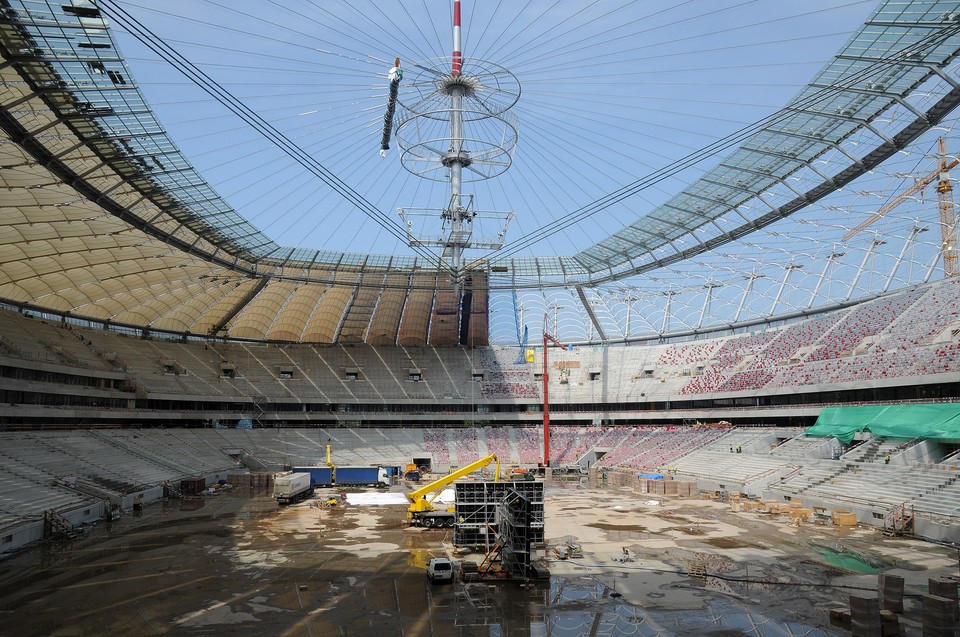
pixel 422 512
pixel 948 220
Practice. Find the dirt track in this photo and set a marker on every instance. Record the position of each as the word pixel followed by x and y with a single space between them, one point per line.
pixel 237 564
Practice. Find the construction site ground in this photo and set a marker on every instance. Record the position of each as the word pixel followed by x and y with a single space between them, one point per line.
pixel 237 564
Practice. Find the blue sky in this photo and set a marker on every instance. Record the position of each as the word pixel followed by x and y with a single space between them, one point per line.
pixel 609 92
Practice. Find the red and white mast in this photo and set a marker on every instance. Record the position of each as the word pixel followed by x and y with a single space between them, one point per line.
pixel 457 53
pixel 457 89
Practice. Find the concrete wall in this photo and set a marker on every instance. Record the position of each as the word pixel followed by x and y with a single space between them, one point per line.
pixel 147 496
pixel 86 514
pixel 16 537
pixel 19 535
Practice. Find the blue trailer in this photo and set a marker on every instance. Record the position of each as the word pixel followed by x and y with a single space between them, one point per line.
pixel 361 477
pixel 320 476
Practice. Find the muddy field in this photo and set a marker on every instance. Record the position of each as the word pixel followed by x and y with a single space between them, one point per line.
pixel 236 564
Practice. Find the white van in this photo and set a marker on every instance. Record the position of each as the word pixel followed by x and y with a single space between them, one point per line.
pixel 440 569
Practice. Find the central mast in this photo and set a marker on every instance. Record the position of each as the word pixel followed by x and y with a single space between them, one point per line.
pixel 454 127
pixel 457 158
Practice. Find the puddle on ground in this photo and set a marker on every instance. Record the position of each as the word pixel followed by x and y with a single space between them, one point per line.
pixel 687 530
pixel 728 543
pixel 605 526
pixel 588 605
pixel 418 558
pixel 620 532
pixel 670 516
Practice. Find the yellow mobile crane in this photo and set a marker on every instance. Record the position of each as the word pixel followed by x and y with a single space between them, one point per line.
pixel 421 511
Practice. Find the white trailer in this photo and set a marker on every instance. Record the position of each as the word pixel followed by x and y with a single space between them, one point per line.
pixel 292 487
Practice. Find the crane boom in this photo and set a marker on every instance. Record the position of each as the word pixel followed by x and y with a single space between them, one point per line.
pixel 919 185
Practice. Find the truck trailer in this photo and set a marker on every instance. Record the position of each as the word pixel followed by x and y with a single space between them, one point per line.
pixel 292 487
pixel 320 476
pixel 361 477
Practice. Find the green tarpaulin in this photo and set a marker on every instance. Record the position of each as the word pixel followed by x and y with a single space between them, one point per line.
pixel 937 421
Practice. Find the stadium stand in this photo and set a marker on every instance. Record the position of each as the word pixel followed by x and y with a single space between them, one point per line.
pixel 72 471
pixel 912 334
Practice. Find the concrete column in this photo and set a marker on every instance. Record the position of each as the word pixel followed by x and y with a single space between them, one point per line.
pixel 945 587
pixel 891 592
pixel 864 616
pixel 938 618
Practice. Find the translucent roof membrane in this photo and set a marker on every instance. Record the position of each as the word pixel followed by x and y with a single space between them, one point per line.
pixel 76 41
pixel 106 219
pixel 895 51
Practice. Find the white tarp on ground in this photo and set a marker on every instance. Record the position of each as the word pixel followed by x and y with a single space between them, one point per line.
pixel 378 498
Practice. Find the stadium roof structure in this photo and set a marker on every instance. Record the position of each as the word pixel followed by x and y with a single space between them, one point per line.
pixel 105 218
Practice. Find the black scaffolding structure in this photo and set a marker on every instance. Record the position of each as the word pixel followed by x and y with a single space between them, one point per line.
pixel 476 512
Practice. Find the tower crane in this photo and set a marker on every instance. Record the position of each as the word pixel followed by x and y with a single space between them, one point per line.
pixel 546 398
pixel 948 218
pixel 948 221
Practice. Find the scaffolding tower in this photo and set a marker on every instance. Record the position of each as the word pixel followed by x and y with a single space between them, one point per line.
pixel 514 526
pixel 476 509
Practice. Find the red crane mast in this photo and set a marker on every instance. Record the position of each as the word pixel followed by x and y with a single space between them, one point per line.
pixel 546 396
